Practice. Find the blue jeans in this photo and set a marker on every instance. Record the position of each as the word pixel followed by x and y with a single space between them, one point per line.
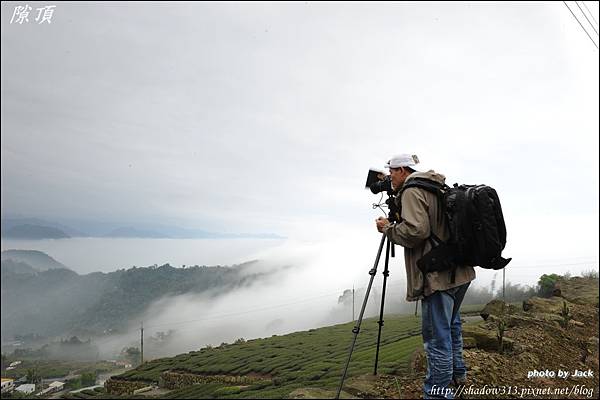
pixel 442 340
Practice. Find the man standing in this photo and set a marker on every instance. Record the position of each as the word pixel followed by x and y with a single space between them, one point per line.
pixel 441 293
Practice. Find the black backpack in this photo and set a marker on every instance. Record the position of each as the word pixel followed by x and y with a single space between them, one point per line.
pixel 476 224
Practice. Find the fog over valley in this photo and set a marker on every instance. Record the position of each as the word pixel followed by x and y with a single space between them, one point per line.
pixel 266 287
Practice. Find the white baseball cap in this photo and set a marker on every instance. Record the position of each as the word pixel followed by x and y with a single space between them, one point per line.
pixel 403 160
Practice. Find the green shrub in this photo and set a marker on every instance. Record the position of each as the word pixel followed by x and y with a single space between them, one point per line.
pixel 500 335
pixel 546 284
pixel 566 315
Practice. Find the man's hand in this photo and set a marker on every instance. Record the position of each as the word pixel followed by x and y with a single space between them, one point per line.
pixel 381 222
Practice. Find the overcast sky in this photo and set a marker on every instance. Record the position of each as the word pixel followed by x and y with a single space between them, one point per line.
pixel 266 117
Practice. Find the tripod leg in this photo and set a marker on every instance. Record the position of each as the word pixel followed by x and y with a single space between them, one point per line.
pixel 356 328
pixel 416 307
pixel 380 322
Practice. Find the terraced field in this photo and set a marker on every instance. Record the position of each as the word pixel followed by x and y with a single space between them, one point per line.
pixel 314 358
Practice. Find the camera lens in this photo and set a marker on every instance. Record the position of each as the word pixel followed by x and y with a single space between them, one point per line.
pixel 381 186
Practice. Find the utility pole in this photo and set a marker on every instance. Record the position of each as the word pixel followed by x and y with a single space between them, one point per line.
pixel 352 302
pixel 503 284
pixel 142 343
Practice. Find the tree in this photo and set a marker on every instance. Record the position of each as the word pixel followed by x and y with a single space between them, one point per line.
pixel 346 298
pixel 132 355
pixel 546 284
pixel 33 376
pixel 591 274
pixel 518 292
pixel 88 379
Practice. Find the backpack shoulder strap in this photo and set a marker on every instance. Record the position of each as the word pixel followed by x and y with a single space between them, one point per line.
pixel 437 189
pixel 426 184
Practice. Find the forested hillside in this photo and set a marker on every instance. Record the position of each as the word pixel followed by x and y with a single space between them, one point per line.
pixel 60 302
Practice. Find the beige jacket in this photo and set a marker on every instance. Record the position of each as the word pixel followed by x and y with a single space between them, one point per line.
pixel 420 216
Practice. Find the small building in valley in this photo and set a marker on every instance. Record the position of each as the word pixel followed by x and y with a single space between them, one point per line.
pixel 8 385
pixel 27 388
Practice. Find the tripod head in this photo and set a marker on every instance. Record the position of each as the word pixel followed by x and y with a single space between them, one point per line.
pixel 394 211
pixel 378 182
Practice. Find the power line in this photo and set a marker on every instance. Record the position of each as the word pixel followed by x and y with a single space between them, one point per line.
pixel 574 16
pixel 568 259
pixel 577 3
pixel 551 265
pixel 589 12
pixel 219 316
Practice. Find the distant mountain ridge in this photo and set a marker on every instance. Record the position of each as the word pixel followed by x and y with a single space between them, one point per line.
pixel 37 260
pixel 130 232
pixel 29 231
pixel 35 228
pixel 9 223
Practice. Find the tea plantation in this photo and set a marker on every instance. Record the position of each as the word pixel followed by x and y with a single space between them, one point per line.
pixel 281 364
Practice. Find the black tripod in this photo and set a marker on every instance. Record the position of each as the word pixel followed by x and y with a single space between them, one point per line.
pixel 356 329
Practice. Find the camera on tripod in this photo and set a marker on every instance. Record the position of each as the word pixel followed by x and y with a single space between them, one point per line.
pixel 378 181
